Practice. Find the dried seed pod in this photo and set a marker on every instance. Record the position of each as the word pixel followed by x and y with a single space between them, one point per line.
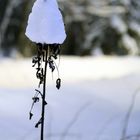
pixel 35 99
pixel 58 83
pixel 38 123
pixel 30 115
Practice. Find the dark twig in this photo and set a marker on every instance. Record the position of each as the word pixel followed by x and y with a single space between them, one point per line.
pixel 43 97
pixel 73 121
pixel 128 115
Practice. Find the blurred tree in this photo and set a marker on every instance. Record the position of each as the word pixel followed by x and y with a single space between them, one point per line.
pixel 113 26
pixel 11 22
pixel 93 26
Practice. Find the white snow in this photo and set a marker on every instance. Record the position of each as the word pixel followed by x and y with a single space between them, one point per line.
pixel 72 69
pixel 134 26
pixel 130 43
pixel 45 23
pixel 92 104
pixel 118 23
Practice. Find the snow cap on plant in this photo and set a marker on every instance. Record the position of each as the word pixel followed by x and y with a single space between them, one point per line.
pixel 46 29
pixel 45 23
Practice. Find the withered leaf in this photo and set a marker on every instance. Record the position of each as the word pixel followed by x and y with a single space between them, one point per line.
pixel 58 83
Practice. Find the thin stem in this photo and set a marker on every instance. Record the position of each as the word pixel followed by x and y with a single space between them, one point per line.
pixel 43 97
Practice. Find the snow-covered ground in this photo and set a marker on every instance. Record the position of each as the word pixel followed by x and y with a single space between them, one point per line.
pixel 99 100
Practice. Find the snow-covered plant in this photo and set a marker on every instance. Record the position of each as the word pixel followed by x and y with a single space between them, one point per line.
pixel 46 29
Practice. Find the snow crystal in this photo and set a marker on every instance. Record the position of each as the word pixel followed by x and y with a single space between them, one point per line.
pixel 45 23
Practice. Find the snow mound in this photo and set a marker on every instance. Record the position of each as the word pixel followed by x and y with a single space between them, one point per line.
pixel 45 23
pixel 99 100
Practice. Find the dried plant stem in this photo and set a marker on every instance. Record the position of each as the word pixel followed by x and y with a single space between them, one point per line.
pixel 44 95
pixel 46 55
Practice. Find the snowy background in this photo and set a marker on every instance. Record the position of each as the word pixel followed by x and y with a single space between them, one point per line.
pixel 99 100
pixel 100 95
